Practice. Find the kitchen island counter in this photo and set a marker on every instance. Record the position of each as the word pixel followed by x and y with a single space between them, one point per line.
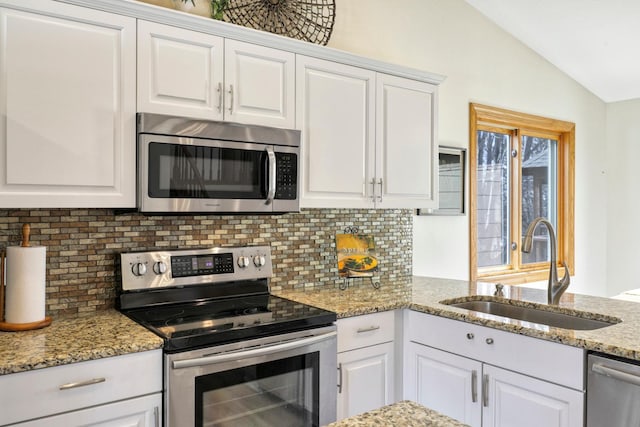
pixel 405 414
pixel 426 294
pixel 74 339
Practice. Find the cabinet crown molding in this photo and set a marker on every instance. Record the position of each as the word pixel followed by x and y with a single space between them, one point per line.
pixel 162 15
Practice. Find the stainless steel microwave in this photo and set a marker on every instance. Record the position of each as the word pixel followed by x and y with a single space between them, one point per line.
pixel 199 166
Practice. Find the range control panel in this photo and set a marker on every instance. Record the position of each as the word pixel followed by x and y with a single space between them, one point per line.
pixel 144 270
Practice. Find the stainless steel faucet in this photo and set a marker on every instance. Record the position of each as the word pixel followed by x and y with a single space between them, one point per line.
pixel 556 287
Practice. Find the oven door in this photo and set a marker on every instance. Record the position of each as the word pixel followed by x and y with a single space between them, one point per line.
pixel 178 174
pixel 283 380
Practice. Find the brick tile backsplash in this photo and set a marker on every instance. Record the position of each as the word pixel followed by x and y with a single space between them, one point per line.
pixel 82 246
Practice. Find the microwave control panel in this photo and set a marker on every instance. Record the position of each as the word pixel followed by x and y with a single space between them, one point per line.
pixel 286 176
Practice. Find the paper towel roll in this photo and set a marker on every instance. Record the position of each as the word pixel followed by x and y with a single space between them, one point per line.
pixel 25 291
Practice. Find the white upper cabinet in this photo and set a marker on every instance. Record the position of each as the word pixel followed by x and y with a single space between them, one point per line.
pixel 180 72
pixel 193 74
pixel 368 138
pixel 406 145
pixel 67 106
pixel 336 114
pixel 260 85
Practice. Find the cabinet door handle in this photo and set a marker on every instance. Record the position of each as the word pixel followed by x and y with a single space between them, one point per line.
pixel 156 416
pixel 339 378
pixel 474 386
pixel 380 196
pixel 485 390
pixel 219 97
pixel 373 189
pixel 369 329
pixel 82 383
pixel 231 99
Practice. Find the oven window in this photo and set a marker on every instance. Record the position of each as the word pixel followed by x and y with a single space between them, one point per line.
pixel 282 393
pixel 192 171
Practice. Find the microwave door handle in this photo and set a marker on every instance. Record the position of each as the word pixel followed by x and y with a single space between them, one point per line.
pixel 271 189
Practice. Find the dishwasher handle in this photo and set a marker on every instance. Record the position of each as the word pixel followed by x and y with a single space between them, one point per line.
pixel 601 369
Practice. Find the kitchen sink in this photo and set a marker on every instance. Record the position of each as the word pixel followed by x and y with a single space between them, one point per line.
pixel 541 314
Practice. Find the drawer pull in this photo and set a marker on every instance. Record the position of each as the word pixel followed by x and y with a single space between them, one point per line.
pixel 470 336
pixel 82 383
pixel 369 329
pixel 489 341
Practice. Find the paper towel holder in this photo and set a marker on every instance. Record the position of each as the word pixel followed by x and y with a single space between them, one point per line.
pixel 16 327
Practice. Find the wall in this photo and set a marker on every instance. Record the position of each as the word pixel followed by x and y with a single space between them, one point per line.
pixel 83 244
pixel 622 201
pixel 483 64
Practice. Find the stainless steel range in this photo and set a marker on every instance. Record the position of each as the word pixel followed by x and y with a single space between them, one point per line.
pixel 234 354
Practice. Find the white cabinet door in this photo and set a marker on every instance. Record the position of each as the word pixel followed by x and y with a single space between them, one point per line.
pixel 67 102
pixel 180 72
pixel 336 113
pixel 140 412
pixel 445 382
pixel 515 399
pixel 406 145
pixel 365 379
pixel 193 74
pixel 368 139
pixel 259 85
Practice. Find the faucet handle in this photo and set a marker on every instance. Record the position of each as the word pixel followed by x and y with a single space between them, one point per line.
pixel 566 278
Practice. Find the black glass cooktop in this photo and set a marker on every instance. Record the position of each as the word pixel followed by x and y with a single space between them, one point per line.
pixel 196 324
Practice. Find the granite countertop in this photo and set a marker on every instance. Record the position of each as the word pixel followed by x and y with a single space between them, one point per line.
pixel 74 339
pixel 405 414
pixel 425 294
pixel 110 333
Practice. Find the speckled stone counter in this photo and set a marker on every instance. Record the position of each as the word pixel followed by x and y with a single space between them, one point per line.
pixel 425 295
pixel 405 414
pixel 70 340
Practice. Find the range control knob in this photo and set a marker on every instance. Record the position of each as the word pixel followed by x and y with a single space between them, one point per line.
pixel 139 269
pixel 259 260
pixel 243 261
pixel 159 267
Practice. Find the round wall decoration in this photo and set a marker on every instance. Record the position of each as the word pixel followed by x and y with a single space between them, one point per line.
pixel 308 20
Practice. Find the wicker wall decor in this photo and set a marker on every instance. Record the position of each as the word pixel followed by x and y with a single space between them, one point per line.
pixel 308 20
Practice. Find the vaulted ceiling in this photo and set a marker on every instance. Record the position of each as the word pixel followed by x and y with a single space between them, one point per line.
pixel 595 42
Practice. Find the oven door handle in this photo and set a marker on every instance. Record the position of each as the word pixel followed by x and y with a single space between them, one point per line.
pixel 243 354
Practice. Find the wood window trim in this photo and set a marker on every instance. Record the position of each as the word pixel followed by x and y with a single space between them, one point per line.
pixel 508 120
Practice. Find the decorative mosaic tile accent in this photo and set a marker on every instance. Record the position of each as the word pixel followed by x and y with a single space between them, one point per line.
pixel 82 246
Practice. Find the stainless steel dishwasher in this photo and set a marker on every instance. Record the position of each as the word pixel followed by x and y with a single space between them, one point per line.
pixel 613 392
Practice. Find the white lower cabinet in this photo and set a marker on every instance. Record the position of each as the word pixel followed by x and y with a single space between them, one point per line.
pixel 141 412
pixel 119 391
pixel 518 400
pixel 444 382
pixel 366 363
pixel 485 377
pixel 365 379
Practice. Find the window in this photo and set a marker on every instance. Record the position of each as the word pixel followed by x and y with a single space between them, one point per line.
pixel 521 167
